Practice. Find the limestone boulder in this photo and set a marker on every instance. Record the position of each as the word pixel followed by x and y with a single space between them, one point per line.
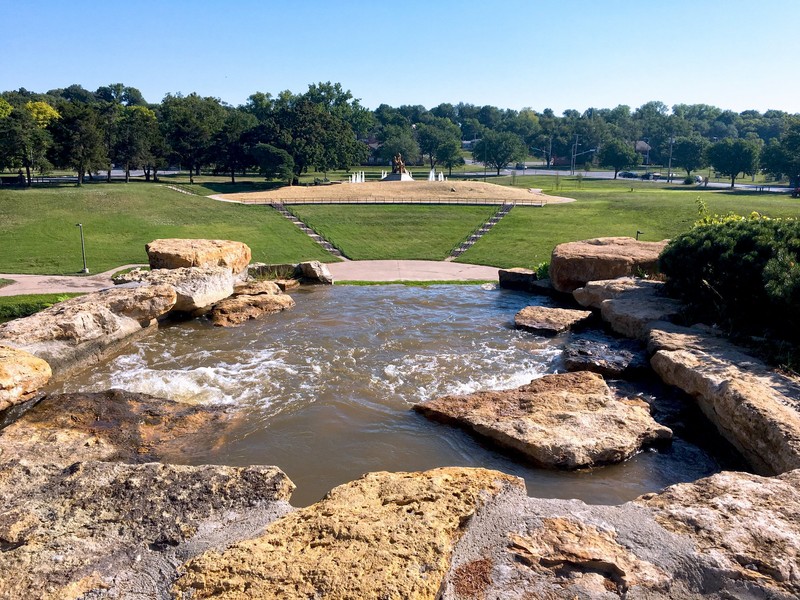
pixel 609 358
pixel 315 272
pixel 177 253
pixel 516 279
pixel 566 421
pixel 550 321
pixel 254 288
pixel 753 407
pixel 594 293
pixel 197 288
pixel 21 376
pixel 240 308
pixel 574 264
pixel 112 426
pixel 80 331
pixel 386 535
pixel 287 284
pixel 105 530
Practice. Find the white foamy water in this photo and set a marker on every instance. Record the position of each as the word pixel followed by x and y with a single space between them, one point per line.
pixel 324 390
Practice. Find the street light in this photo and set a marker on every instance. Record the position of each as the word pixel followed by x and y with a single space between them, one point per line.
pixel 83 248
pixel 669 168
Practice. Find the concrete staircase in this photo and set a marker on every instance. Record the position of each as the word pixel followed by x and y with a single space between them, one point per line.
pixel 308 231
pixel 480 232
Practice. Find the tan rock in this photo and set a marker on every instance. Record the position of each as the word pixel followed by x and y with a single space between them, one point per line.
pixel 574 264
pixel 315 272
pixel 516 278
pixel 21 376
pixel 238 309
pixel 550 321
pixel 386 535
pixel 567 421
pixel 197 288
pixel 117 530
pixel 744 523
pixel 81 331
pixel 111 426
pixel 253 288
pixel 754 408
pixel 176 253
pixel 594 293
pixel 287 284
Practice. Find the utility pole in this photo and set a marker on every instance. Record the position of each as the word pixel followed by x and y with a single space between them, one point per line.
pixel 83 248
pixel 669 167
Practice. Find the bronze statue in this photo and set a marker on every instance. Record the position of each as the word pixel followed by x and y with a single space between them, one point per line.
pixel 398 166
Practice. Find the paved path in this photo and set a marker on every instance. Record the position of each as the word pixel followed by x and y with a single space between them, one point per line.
pixel 362 270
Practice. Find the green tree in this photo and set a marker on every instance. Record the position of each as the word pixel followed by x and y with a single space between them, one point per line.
pixel 396 140
pixel 782 156
pixel 437 138
pixel 690 153
pixel 231 145
pixel 134 140
pixel 190 124
pixel 496 150
pixel 78 139
pixel 274 163
pixel 24 137
pixel 618 155
pixel 730 157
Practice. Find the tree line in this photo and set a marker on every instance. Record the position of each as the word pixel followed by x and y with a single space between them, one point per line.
pixel 326 128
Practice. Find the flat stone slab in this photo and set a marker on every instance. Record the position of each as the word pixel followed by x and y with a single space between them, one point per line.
pixel 173 253
pixel 106 530
pixel 197 288
pixel 574 264
pixel 386 535
pixel 612 359
pixel 240 308
pixel 753 407
pixel 21 376
pixel 517 278
pixel 550 321
pixel 114 425
pixel 565 421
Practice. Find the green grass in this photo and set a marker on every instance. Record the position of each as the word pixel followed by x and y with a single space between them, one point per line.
pixel 527 236
pixel 38 233
pixel 5 282
pixel 14 307
pixel 369 232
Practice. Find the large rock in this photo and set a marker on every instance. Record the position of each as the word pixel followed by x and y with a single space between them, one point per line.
pixel 197 288
pixel 111 426
pixel 629 305
pixel 105 530
pixel 21 376
pixel 574 264
pixel 753 407
pixel 316 272
pixel 516 278
pixel 550 321
pixel 241 308
pixel 177 253
pixel 78 332
pixel 310 272
pixel 568 421
pixel 733 535
pixel 610 358
pixel 386 535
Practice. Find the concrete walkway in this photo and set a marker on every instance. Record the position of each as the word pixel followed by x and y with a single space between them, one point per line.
pixel 362 270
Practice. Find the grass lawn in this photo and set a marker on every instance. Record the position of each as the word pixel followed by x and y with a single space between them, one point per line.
pixel 527 236
pixel 38 233
pixel 5 282
pixel 369 232
pixel 14 307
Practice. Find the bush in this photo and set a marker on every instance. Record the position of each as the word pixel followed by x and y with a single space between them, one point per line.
pixel 688 180
pixel 741 273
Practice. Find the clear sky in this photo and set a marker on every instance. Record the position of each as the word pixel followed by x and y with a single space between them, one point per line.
pixel 577 54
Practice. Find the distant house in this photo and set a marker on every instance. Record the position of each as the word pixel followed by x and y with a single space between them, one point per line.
pixel 643 148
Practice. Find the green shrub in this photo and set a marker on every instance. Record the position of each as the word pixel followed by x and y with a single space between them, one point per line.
pixel 542 270
pixel 741 273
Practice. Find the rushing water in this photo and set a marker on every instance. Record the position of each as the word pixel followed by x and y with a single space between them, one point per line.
pixel 324 390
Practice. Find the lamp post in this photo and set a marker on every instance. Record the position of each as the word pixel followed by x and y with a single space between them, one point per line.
pixel 669 168
pixel 574 154
pixel 83 248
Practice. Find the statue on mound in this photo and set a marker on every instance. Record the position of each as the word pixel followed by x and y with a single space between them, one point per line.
pixel 398 166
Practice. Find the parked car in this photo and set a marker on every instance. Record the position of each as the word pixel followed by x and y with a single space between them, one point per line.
pixel 627 175
pixel 653 176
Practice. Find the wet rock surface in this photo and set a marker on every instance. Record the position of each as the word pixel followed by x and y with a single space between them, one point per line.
pixel 550 321
pixel 21 376
pixel 105 530
pixel 566 421
pixel 753 407
pixel 240 308
pixel 111 426
pixel 176 253
pixel 516 279
pixel 197 288
pixel 386 535
pixel 80 331
pixel 611 358
pixel 574 264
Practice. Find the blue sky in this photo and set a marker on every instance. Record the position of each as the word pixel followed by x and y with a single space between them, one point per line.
pixel 578 54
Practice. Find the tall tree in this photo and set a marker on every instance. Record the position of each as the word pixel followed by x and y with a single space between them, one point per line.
pixel 496 150
pixel 730 157
pixel 135 130
pixel 24 137
pixel 618 155
pixel 189 125
pixel 437 138
pixel 782 156
pixel 231 144
pixel 690 153
pixel 78 139
pixel 274 163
